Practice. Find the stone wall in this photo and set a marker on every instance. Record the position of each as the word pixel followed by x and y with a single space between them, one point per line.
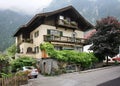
pixel 47 65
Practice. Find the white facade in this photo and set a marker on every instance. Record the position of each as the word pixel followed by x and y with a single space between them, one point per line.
pixel 39 38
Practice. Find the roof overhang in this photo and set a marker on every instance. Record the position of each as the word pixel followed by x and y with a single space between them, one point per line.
pixel 85 24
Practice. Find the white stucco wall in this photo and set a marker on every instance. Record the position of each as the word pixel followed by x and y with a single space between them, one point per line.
pixel 24 46
pixel 43 31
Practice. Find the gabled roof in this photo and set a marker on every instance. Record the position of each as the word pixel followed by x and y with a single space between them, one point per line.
pixel 44 15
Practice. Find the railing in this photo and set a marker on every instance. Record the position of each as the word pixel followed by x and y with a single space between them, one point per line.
pixel 27 54
pixel 64 23
pixel 26 41
pixel 64 39
pixel 14 81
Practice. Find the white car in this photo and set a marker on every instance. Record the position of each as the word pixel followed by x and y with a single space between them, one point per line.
pixel 33 71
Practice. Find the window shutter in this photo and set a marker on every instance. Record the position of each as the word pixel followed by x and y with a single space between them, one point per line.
pixel 48 31
pixel 61 33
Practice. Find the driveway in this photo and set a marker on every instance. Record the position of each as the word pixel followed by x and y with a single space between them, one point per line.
pixel 100 77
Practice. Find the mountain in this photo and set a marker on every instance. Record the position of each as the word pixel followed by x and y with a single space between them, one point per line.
pixel 92 10
pixel 9 22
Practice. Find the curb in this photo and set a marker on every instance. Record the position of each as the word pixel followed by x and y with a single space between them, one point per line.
pixel 92 70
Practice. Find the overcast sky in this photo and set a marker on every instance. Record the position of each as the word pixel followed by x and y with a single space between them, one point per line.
pixel 25 6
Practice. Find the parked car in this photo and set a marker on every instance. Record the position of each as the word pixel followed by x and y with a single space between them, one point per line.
pixel 116 58
pixel 113 59
pixel 109 60
pixel 33 72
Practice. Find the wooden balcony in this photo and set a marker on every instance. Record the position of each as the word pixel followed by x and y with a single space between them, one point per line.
pixel 28 40
pixel 64 39
pixel 65 24
pixel 25 41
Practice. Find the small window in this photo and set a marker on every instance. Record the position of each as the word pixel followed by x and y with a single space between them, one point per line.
pixel 58 47
pixel 54 32
pixel 79 49
pixel 36 49
pixel 68 19
pixel 61 17
pixel 74 34
pixel 36 34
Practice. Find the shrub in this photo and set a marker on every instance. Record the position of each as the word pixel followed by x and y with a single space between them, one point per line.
pixel 4 64
pixel 18 63
pixel 4 75
pixel 83 58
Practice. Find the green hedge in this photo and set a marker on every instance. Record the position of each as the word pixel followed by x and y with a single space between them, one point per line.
pixel 22 61
pixel 83 58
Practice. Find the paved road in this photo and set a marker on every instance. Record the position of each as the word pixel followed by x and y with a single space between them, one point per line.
pixel 105 77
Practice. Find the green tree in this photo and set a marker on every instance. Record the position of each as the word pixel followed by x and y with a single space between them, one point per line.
pixel 106 40
pixel 4 63
pixel 22 61
pixel 11 51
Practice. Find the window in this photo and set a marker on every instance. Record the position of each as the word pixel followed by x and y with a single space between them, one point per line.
pixel 61 17
pixel 68 48
pixel 29 50
pixel 36 34
pixel 74 34
pixel 68 19
pixel 58 47
pixel 79 49
pixel 36 49
pixel 55 32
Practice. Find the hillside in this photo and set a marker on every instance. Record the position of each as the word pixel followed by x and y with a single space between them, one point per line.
pixel 90 9
pixel 9 22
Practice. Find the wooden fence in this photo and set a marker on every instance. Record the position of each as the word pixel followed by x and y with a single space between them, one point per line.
pixel 14 81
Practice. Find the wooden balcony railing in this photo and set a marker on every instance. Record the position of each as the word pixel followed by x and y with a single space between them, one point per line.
pixel 25 41
pixel 28 40
pixel 64 23
pixel 64 39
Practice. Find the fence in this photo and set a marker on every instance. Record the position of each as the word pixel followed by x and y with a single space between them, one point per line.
pixel 14 81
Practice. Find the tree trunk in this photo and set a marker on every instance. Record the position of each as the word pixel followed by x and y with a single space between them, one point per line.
pixel 107 61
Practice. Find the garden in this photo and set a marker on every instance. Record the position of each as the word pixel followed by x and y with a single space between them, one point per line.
pixel 10 73
pixel 65 58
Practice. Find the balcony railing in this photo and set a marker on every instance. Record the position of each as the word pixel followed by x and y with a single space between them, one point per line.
pixel 65 23
pixel 25 41
pixel 28 40
pixel 64 39
pixel 29 55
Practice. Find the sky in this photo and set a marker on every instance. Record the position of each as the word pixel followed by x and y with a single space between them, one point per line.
pixel 24 6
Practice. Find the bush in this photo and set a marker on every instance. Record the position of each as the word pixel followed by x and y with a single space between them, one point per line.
pixel 4 75
pixel 18 63
pixel 4 64
pixel 83 58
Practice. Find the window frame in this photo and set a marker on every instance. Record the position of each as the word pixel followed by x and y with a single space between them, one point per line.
pixel 36 34
pixel 54 32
